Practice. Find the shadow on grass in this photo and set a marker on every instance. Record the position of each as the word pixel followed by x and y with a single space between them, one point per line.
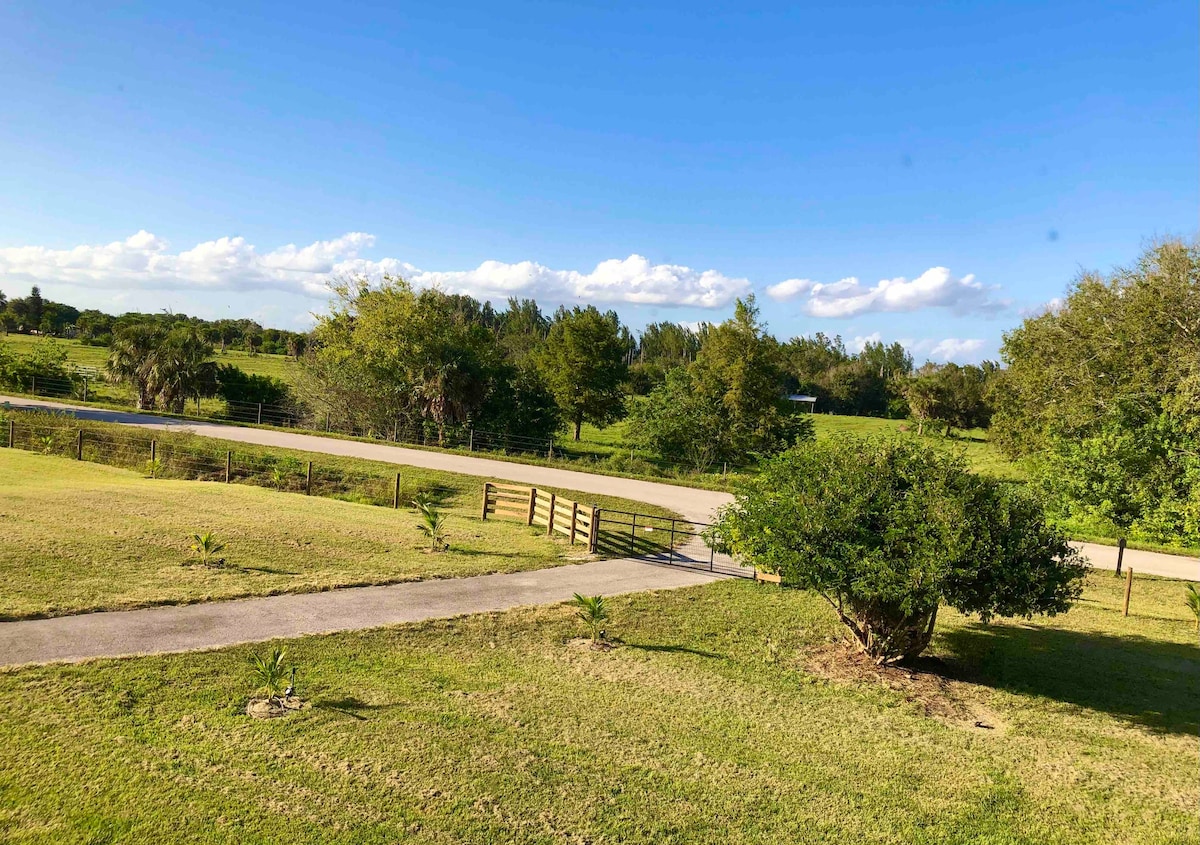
pixel 1147 682
pixel 348 706
pixel 675 649
pixel 484 553
pixel 267 570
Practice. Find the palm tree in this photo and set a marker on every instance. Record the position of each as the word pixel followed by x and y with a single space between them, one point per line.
pixel 269 672
pixel 206 546
pixel 432 525
pixel 593 611
pixel 182 369
pixel 1193 601
pixel 132 360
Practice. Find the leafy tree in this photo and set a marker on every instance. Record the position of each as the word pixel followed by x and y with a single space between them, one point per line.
pixel 168 366
pixel 1104 393
pixel 887 530
pixel 522 328
pixel 951 394
pixel 583 364
pixel 678 423
pixel 131 361
pixel 236 385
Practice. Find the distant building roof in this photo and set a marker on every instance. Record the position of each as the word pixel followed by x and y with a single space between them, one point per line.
pixel 800 397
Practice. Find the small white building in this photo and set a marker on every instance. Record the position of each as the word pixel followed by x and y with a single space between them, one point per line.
pixel 801 398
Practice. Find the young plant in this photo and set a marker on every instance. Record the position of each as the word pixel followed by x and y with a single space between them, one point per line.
pixel 206 547
pixel 593 611
pixel 279 477
pixel 153 467
pixel 432 524
pixel 1192 597
pixel 269 673
pixel 48 443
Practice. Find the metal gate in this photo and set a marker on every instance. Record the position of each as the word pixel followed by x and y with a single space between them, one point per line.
pixel 659 539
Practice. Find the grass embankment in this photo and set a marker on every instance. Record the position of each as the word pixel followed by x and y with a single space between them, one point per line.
pixel 713 722
pixel 78 536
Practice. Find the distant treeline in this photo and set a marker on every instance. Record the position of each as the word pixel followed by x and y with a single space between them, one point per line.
pixel 33 314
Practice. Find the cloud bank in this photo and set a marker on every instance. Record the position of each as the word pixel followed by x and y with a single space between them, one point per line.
pixel 945 349
pixel 232 264
pixel 935 288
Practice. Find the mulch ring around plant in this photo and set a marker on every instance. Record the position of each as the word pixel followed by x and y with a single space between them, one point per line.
pixel 273 708
pixel 924 684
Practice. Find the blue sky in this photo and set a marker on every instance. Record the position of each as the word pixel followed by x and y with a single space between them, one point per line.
pixel 656 158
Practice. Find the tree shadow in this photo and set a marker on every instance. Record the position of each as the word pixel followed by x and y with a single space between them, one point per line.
pixel 484 553
pixel 348 706
pixel 1147 682
pixel 267 570
pixel 674 649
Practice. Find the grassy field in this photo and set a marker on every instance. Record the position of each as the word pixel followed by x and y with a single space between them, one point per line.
pixel 722 717
pixel 981 456
pixel 78 536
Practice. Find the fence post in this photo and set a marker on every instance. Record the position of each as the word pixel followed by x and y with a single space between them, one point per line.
pixel 33 384
pixel 79 445
pixel 671 552
pixel 228 465
pixel 487 486
pixel 153 450
pixel 327 423
pixel 11 434
pixel 532 504
pixel 550 517
pixel 396 494
pixel 550 454
pixel 471 441
pixel 1128 589
pixel 85 384
pixel 396 431
pixel 633 534
pixel 574 517
pixel 260 413
pixel 594 533
pixel 1120 554
pixel 308 480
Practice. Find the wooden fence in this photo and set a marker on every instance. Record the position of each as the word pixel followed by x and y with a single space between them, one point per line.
pixel 575 521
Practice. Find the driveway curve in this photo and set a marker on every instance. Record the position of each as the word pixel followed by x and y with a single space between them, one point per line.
pixel 693 503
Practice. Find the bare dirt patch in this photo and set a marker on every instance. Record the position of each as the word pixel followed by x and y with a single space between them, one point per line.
pixel 273 708
pixel 941 697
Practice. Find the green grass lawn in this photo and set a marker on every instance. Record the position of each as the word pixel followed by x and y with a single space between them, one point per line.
pixel 79 536
pixel 721 718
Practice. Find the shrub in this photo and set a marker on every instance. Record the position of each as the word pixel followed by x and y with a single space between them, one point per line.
pixel 886 530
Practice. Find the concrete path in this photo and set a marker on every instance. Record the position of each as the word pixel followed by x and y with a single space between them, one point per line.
pixel 160 630
pixel 1143 563
pixel 696 505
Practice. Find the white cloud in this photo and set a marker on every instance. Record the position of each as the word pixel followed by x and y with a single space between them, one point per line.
pixel 935 288
pixel 860 342
pixel 1052 306
pixel 953 347
pixel 232 264
pixel 790 289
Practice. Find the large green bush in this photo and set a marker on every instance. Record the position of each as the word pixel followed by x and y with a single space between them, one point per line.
pixel 886 530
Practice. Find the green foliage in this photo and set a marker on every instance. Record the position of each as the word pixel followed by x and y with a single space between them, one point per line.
pixel 953 395
pixel 1104 392
pixel 236 385
pixel 583 364
pixel 206 546
pixel 593 612
pixel 153 467
pixel 167 366
pixel 432 524
pixel 870 383
pixel 269 673
pixel 887 530
pixel 46 360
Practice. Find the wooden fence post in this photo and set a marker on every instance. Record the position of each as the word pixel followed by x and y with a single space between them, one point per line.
pixel 471 441
pixel 594 533
pixel 574 517
pixel 1120 554
pixel 11 434
pixel 79 445
pixel 308 480
pixel 153 450
pixel 1128 589
pixel 550 517
pixel 228 465
pixel 396 494
pixel 532 504
pixel 550 454
pixel 487 486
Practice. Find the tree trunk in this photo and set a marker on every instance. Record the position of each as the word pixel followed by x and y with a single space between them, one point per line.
pixel 578 425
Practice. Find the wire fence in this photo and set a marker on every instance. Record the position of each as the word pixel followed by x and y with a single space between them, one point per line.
pixel 667 540
pixel 199 461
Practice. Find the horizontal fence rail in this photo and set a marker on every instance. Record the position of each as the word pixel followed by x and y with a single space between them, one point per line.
pixel 575 521
pixel 663 539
